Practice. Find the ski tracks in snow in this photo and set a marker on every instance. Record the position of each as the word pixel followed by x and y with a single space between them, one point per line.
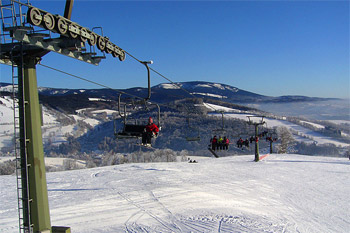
pixel 166 221
pixel 149 209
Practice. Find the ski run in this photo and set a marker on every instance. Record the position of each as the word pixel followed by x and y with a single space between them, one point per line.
pixel 281 193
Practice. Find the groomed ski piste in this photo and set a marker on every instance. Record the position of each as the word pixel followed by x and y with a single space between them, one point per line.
pixel 281 193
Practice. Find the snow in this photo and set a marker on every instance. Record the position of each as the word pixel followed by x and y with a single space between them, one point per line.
pixel 82 110
pixel 219 108
pixel 318 126
pixel 340 122
pixel 7 88
pixel 49 119
pixel 107 111
pixel 49 161
pixel 169 86
pixel 204 85
pixel 281 193
pixel 219 86
pixel 6 121
pixel 52 130
pixel 52 92
pixel 56 133
pixel 96 99
pixel 209 94
pixel 92 122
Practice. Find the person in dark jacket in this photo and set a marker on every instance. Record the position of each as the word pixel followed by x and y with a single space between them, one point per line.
pixel 151 130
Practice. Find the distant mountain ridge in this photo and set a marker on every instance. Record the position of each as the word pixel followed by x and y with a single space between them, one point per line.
pixel 88 115
pixel 165 92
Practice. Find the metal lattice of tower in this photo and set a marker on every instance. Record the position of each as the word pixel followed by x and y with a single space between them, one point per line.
pixel 27 34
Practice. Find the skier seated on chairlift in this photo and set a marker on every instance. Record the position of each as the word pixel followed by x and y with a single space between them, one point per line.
pixel 240 142
pixel 220 143
pixel 246 143
pixel 226 143
pixel 213 142
pixel 151 130
pixel 270 139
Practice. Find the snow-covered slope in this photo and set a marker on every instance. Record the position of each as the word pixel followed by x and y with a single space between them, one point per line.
pixel 300 133
pixel 6 121
pixel 57 125
pixel 282 193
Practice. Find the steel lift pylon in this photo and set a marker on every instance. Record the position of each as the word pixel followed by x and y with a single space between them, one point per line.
pixel 22 46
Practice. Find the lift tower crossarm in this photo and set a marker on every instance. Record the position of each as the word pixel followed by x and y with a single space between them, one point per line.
pixel 58 45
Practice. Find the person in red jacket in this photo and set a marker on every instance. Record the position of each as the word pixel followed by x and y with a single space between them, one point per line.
pixel 214 142
pixel 151 130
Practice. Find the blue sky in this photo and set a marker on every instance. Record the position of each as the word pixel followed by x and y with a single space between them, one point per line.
pixel 272 48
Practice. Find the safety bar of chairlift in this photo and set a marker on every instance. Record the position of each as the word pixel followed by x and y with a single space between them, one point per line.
pixel 119 112
pixel 159 125
pixel 222 118
pixel 125 115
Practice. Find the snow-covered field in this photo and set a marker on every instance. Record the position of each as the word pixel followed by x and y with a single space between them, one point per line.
pixel 281 193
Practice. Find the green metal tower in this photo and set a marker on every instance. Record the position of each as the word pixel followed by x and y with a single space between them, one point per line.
pixel 22 47
pixel 256 126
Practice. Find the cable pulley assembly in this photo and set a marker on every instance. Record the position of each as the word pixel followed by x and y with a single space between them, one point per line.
pixel 65 27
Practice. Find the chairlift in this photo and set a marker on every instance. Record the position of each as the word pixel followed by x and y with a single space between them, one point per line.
pixel 271 135
pixel 190 137
pixel 135 130
pixel 222 130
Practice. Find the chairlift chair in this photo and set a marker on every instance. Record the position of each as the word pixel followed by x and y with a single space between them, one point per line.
pixel 222 130
pixel 135 130
pixel 191 138
pixel 128 130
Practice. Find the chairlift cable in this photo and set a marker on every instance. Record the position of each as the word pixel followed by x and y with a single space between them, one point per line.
pixel 122 92
pixel 102 85
pixel 87 80
pixel 163 76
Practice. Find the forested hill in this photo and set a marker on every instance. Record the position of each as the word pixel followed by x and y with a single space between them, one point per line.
pixel 77 121
pixel 72 99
